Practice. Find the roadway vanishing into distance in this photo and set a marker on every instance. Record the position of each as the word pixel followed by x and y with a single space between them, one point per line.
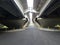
pixel 30 36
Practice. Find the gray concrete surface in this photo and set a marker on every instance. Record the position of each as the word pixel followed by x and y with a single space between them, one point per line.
pixel 31 36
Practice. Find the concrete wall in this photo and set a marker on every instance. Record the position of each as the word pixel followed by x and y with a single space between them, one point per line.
pixel 48 22
pixel 14 23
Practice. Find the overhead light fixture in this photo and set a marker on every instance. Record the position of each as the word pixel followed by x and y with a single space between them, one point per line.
pixel 19 5
pixel 30 3
pixel 44 7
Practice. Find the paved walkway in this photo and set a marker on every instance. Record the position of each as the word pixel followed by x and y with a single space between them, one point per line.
pixel 30 36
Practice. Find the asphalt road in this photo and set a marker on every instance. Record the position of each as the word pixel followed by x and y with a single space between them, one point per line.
pixel 31 36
